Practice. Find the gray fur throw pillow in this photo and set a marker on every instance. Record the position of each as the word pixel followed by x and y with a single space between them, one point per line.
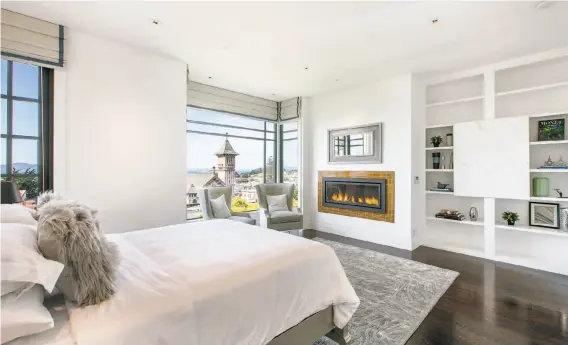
pixel 68 232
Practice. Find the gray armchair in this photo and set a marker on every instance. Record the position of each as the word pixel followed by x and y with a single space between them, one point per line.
pixel 207 194
pixel 278 220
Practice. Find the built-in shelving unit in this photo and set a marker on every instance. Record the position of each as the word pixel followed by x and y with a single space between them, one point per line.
pixel 532 91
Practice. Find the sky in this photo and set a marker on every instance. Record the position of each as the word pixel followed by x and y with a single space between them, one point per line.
pixel 26 114
pixel 201 148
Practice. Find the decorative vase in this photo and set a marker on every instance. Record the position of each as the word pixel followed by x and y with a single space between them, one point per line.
pixel 540 186
pixel 473 215
pixel 450 139
pixel 451 160
pixel 436 160
pixel 510 222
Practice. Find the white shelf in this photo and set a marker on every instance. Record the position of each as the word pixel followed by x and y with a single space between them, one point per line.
pixel 438 126
pixel 455 101
pixel 561 200
pixel 552 142
pixel 439 170
pixel 439 148
pixel 435 192
pixel 530 89
pixel 465 222
pixel 549 170
pixel 532 229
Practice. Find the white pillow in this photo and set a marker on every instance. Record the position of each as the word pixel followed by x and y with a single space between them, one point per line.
pixel 220 208
pixel 277 203
pixel 24 314
pixel 22 263
pixel 16 213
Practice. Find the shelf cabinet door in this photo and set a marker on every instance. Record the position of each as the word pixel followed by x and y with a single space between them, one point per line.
pixel 491 158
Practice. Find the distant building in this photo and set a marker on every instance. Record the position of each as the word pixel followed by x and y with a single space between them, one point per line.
pixel 222 175
pixel 226 157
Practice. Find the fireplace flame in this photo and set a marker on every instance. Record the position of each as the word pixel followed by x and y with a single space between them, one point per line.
pixel 351 198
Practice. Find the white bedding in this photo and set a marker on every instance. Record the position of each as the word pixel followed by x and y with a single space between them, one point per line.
pixel 215 282
pixel 60 334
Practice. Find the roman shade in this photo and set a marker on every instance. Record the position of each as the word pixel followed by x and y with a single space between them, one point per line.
pixel 29 39
pixel 290 109
pixel 214 98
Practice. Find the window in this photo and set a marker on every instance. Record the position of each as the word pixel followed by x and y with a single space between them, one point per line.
pixel 225 149
pixel 26 146
pixel 289 155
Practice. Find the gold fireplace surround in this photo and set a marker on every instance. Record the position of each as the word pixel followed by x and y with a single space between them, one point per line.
pixel 387 175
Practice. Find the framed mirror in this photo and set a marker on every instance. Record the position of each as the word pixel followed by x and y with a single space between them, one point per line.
pixel 361 144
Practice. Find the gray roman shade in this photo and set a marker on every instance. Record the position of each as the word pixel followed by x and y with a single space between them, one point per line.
pixel 30 39
pixel 214 98
pixel 290 109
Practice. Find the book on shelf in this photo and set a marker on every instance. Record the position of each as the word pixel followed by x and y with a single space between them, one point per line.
pixel 553 167
pixel 447 190
pixel 450 214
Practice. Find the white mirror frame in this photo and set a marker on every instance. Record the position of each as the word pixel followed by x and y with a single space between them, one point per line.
pixel 377 156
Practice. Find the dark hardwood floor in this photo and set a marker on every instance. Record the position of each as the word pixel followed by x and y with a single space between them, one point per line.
pixel 490 303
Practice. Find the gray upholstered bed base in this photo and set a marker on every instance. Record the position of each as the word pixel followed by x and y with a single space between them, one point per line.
pixel 313 328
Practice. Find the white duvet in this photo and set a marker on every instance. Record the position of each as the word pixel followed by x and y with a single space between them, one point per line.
pixel 215 282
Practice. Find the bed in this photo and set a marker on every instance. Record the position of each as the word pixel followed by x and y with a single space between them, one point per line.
pixel 213 283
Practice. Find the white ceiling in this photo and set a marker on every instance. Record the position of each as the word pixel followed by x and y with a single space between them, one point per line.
pixel 262 48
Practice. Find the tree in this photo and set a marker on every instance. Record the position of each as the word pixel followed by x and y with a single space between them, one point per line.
pixel 239 202
pixel 28 181
pixel 295 192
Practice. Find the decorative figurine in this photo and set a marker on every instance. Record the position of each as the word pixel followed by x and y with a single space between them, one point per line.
pixel 451 160
pixel 473 215
pixel 443 167
pixel 550 164
pixel 559 192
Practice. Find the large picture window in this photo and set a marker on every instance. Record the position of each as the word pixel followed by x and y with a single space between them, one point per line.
pixel 26 127
pixel 225 149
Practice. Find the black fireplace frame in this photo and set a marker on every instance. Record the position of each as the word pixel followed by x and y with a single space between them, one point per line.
pixel 367 181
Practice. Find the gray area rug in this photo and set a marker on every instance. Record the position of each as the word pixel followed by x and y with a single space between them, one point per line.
pixel 396 294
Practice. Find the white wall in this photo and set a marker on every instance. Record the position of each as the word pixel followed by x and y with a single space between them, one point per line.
pixel 388 102
pixel 120 133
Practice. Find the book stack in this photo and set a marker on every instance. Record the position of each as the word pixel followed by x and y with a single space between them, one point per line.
pixel 450 214
pixel 447 190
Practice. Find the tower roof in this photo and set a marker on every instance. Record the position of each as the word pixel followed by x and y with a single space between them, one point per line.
pixel 226 149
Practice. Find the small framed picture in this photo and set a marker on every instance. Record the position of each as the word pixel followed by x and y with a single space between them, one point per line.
pixel 545 215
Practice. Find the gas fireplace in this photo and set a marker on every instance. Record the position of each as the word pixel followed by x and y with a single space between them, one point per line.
pixel 364 194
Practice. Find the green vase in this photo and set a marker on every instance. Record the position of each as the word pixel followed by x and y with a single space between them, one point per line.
pixel 540 186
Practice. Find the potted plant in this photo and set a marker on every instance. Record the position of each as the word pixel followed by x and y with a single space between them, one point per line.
pixel 436 140
pixel 510 217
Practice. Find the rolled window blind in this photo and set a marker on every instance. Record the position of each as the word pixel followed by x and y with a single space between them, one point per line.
pixel 30 39
pixel 290 109
pixel 214 98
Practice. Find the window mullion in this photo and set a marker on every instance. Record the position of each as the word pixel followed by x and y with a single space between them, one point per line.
pixel 9 117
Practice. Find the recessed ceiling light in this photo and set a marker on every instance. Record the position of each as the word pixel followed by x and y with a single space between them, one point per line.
pixel 209 77
pixel 336 79
pixel 435 21
pixel 306 68
pixel 155 22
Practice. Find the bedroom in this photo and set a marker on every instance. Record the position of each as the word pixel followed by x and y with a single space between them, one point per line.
pixel 147 111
